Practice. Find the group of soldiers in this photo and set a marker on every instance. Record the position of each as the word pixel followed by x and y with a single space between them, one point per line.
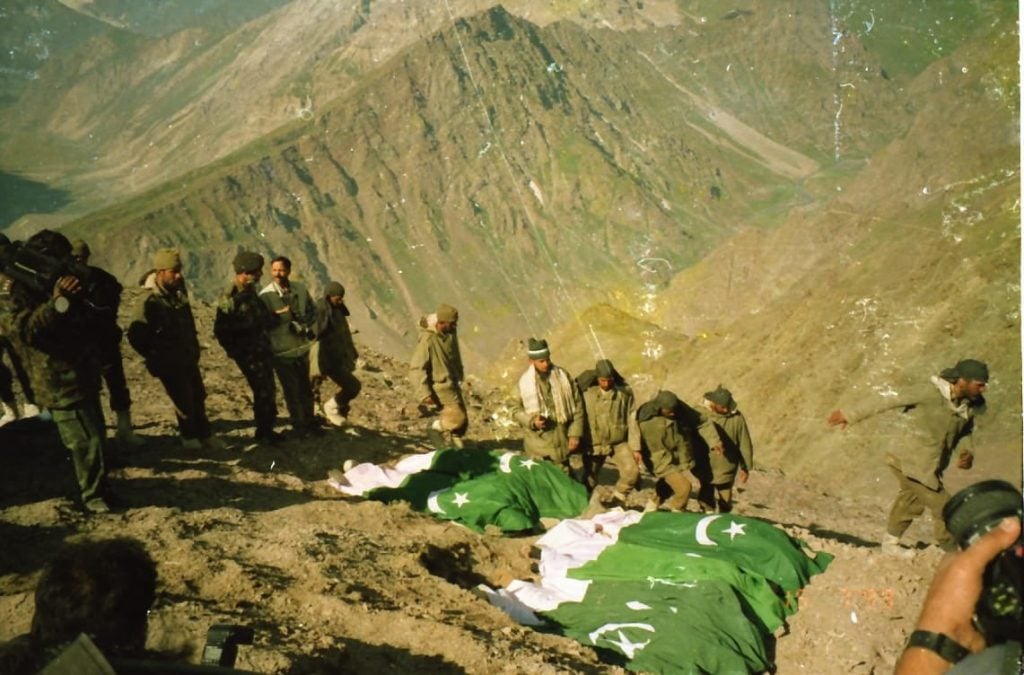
pixel 58 316
pixel 58 324
pixel 582 423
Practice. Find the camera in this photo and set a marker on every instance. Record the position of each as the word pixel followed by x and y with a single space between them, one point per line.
pixel 222 642
pixel 975 510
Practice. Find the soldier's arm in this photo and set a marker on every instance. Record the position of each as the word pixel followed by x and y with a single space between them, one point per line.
pixel 579 414
pixel 140 330
pixel 881 404
pixel 708 431
pixel 745 443
pixel 633 427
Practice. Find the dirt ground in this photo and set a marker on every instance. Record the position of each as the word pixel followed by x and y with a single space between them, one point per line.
pixel 254 536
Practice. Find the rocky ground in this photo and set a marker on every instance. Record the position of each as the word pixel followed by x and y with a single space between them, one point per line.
pixel 253 535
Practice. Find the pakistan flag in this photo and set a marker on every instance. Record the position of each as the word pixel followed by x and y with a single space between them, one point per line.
pixel 671 592
pixel 472 487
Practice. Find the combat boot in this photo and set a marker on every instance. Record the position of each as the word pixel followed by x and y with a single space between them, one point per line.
pixel 125 435
pixel 891 546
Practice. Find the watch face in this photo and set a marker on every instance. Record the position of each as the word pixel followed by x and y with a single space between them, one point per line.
pixel 61 304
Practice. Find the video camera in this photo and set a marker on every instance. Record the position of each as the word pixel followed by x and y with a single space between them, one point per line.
pixel 39 271
pixel 975 510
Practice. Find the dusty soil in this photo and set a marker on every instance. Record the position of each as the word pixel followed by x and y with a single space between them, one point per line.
pixel 254 536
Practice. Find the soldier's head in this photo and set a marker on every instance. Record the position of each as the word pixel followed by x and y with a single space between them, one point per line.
pixel 80 251
pixel 666 403
pixel 539 355
pixel 720 400
pixel 605 374
pixel 167 266
pixel 53 244
pixel 101 588
pixel 248 268
pixel 335 294
pixel 447 319
pixel 968 377
pixel 280 270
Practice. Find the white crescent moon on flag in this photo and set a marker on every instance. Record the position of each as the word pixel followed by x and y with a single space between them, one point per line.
pixel 506 462
pixel 701 531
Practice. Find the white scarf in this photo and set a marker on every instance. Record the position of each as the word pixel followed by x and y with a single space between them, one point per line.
pixel 561 392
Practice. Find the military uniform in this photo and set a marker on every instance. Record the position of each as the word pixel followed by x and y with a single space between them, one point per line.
pixel 936 425
pixel 436 372
pixel 612 431
pixel 336 353
pixel 737 452
pixel 163 332
pixel 57 338
pixel 290 347
pixel 240 327
pixel 564 419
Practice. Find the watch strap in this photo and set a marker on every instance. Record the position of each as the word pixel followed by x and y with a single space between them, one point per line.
pixel 943 645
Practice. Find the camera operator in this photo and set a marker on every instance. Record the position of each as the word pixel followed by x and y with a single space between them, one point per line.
pixel 946 620
pixel 55 332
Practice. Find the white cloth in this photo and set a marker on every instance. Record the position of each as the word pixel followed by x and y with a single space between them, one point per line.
pixel 561 392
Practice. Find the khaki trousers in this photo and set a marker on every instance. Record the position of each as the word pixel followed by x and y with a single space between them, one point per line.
pixel 911 501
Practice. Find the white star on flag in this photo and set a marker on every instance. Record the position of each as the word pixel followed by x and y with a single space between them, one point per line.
pixel 461 499
pixel 628 647
pixel 528 464
pixel 735 529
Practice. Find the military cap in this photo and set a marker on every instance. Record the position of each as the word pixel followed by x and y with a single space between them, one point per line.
pixel 722 397
pixel 666 400
pixel 167 259
pixel 335 289
pixel 247 261
pixel 447 313
pixel 80 249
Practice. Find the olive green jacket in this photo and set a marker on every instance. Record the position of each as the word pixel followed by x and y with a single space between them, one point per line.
pixel 163 332
pixel 927 428
pixel 436 364
pixel 552 442
pixel 611 418
pixel 337 352
pixel 737 447
pixel 286 341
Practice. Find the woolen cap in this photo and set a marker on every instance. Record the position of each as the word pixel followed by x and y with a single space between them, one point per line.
pixel 968 369
pixel 334 289
pixel 167 259
pixel 247 261
pixel 447 313
pixel 666 400
pixel 722 397
pixel 538 349
pixel 604 368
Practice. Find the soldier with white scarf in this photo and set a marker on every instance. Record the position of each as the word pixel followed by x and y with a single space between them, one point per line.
pixel 551 412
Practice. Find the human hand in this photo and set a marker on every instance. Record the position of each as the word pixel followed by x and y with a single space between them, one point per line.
pixel 743 476
pixel 955 590
pixel 718 449
pixel 574 443
pixel 837 419
pixel 539 422
pixel 67 286
pixel 965 461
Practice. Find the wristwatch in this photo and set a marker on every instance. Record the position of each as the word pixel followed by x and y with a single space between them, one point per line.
pixel 943 645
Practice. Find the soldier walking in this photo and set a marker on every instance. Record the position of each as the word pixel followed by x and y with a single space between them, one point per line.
pixel 436 373
pixel 336 353
pixel 613 432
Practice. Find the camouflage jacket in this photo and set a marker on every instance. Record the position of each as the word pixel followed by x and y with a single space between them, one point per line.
pixel 59 348
pixel 242 322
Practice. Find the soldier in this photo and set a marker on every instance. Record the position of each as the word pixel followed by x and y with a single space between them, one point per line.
pixel 290 340
pixel 551 412
pixel 241 327
pixel 106 297
pixel 732 459
pixel 163 332
pixel 436 373
pixel 666 425
pixel 336 353
pixel 8 406
pixel 938 415
pixel 55 332
pixel 612 428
